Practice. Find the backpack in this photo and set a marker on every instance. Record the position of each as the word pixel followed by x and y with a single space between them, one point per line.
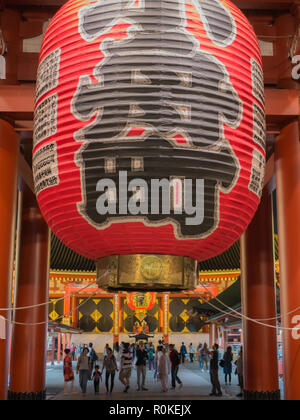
pixel 151 354
pixel 94 356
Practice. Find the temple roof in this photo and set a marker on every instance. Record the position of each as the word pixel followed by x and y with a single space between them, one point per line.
pixel 63 258
pixel 231 297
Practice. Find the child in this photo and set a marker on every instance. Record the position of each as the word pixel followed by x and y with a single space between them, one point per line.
pixel 68 371
pixel 97 376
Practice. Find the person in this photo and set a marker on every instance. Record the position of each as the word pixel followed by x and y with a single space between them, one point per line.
pixel 97 376
pixel 214 372
pixel 240 372
pixel 79 350
pixel 183 352
pixel 117 350
pixel 132 350
pixel 142 358
pixel 163 369
pixel 192 352
pixel 175 363
pixel 228 358
pixel 105 350
pixel 199 350
pixel 110 366
pixel 158 354
pixel 117 347
pixel 84 369
pixel 205 357
pixel 126 366
pixel 73 349
pixel 68 371
pixel 92 356
pixel 151 357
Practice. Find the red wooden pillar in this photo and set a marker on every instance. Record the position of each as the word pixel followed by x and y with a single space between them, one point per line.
pixel 213 335
pixel 59 348
pixel 258 302
pixel 74 314
pixel 53 350
pixel 64 344
pixel 116 326
pixel 120 313
pixel 67 305
pixel 29 344
pixel 9 149
pixel 287 158
pixel 166 307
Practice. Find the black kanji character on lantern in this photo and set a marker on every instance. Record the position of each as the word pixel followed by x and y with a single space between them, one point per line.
pixel 160 80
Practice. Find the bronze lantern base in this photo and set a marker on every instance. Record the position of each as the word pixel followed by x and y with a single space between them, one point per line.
pixel 144 272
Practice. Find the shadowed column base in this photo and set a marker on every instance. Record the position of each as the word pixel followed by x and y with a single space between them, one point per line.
pixel 262 396
pixel 27 396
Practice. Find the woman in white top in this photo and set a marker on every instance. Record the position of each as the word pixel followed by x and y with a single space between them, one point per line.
pixel 158 353
pixel 164 369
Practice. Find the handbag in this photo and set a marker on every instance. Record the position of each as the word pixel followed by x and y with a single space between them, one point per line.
pixel 222 363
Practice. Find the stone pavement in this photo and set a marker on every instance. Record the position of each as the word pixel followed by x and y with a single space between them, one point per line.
pixel 196 387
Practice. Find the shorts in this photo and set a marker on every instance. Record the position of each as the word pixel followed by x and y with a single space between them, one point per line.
pixel 125 374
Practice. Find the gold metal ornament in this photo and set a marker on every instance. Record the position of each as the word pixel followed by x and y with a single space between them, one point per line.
pixel 144 272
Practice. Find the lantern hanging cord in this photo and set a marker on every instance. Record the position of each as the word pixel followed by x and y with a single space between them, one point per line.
pixel 28 324
pixel 55 300
pixel 241 316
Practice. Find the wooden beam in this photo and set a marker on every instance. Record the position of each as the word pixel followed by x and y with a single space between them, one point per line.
pixel 242 4
pixel 16 99
pixel 263 4
pixel 281 104
pixel 30 3
pixel 24 125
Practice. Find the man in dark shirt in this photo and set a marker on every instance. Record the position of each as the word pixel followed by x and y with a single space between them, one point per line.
pixel 142 357
pixel 175 362
pixel 214 372
pixel 183 352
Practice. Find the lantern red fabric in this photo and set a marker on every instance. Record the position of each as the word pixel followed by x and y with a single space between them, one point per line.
pixel 161 89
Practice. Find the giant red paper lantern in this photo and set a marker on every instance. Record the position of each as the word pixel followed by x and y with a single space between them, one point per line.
pixel 156 89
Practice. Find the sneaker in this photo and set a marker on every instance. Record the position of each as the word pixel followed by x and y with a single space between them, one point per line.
pixel 219 394
pixel 212 394
pixel 126 389
pixel 144 389
pixel 180 386
pixel 173 388
pixel 139 389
